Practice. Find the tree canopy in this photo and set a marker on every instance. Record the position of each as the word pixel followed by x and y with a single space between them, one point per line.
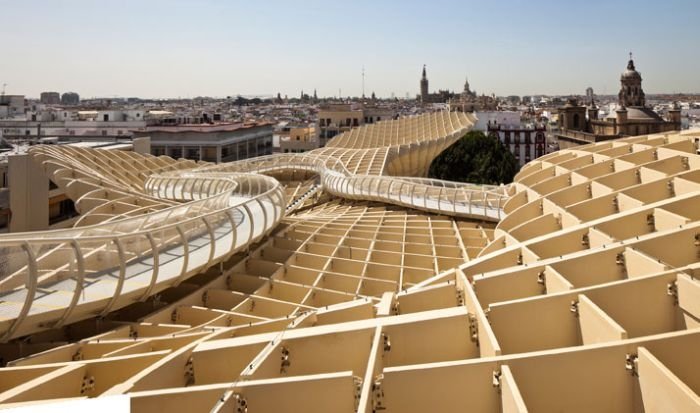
pixel 475 158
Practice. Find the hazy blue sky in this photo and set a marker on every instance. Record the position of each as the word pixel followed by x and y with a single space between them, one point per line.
pixel 170 48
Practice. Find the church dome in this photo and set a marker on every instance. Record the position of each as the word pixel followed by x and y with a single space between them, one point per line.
pixel 631 72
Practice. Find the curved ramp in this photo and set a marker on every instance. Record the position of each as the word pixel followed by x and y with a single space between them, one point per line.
pixel 483 202
pixel 63 276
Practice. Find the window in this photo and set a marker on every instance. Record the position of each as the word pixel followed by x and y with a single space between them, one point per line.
pixel 105 117
pixel 348 121
pixel 104 132
pixel 576 121
pixel 379 118
pixel 322 122
pixel 355 122
pixel 192 153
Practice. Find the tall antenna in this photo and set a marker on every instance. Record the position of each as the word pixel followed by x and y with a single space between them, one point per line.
pixel 3 88
pixel 363 81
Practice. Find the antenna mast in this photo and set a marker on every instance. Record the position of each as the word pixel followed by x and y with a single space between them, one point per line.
pixel 363 81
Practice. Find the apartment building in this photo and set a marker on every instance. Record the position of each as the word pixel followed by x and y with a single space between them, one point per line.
pixel 218 142
pixel 299 139
pixel 334 119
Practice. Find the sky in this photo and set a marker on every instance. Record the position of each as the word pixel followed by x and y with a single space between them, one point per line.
pixel 178 48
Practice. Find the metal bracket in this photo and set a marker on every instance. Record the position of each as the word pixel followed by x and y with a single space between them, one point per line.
pixel 542 280
pixel 473 329
pixel 585 241
pixel 651 221
pixel 87 385
pixel 671 188
pixel 574 307
pixel 496 380
pixel 631 364
pixel 284 360
pixel 395 308
pixel 460 298
pixel 357 381
pixel 620 259
pixel 387 342
pixel 241 404
pixel 378 394
pixel 189 372
pixel 672 290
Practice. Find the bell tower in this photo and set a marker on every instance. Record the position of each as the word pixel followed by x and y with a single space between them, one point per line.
pixel 424 86
pixel 631 93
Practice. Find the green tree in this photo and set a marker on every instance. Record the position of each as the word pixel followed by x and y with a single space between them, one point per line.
pixel 475 158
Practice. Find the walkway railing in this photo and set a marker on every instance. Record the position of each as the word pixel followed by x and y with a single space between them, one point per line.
pixel 48 279
pixel 433 195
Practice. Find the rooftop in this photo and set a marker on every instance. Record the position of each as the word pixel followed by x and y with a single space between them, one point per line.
pixel 344 280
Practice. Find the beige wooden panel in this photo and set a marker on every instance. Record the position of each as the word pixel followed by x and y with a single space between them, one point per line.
pixel 60 383
pixel 664 219
pixel 639 264
pixel 596 325
pixel 555 282
pixel 661 390
pixel 689 295
pixel 511 399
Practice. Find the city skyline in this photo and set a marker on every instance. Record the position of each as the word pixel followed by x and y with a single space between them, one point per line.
pixel 180 49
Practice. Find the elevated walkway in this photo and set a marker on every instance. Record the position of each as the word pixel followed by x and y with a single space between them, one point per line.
pixel 49 279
